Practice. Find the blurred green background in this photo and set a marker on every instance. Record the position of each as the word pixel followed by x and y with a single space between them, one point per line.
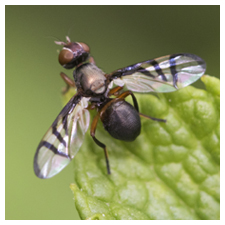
pixel 118 36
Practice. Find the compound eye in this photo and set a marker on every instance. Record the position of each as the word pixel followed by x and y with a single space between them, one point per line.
pixel 65 56
pixel 84 46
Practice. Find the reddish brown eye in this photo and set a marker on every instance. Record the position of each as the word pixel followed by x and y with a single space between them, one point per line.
pixel 84 46
pixel 65 56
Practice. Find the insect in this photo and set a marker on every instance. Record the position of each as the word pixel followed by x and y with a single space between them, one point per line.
pixel 94 90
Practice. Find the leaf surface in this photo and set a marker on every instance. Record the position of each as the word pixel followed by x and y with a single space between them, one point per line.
pixel 171 171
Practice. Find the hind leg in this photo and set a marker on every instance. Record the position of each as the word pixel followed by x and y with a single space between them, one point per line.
pixel 100 144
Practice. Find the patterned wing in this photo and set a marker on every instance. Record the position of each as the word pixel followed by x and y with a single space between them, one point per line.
pixel 164 74
pixel 63 139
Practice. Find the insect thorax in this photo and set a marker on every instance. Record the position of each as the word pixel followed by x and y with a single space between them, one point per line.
pixel 90 79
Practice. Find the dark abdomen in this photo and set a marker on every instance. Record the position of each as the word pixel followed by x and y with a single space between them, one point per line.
pixel 122 121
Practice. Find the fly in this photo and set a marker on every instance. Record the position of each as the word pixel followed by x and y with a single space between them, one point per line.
pixel 95 90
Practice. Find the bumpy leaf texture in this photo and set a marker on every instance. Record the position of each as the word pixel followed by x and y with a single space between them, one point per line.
pixel 171 171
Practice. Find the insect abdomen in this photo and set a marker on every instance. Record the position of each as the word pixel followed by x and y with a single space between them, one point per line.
pixel 122 121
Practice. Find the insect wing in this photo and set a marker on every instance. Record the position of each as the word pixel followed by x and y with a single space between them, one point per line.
pixel 78 122
pixel 63 139
pixel 164 74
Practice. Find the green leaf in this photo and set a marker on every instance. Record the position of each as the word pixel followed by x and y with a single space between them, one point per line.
pixel 171 171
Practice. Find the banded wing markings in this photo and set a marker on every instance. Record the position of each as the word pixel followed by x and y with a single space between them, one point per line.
pixel 164 74
pixel 55 151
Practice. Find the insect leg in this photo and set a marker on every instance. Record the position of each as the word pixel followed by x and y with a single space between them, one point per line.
pixel 91 60
pixel 152 118
pixel 100 144
pixel 114 91
pixel 91 106
pixel 68 81
pixel 127 93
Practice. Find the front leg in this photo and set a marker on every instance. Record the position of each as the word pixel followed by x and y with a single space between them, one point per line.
pixel 68 81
